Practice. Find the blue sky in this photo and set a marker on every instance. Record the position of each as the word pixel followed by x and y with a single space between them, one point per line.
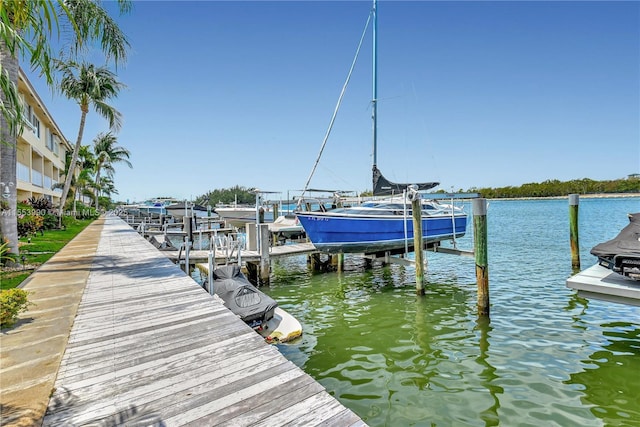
pixel 471 94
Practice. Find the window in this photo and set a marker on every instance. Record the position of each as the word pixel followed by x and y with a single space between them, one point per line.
pixel 36 125
pixel 31 120
pixel 50 140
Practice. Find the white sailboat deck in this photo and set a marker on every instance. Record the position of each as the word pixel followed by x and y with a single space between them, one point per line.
pixel 150 347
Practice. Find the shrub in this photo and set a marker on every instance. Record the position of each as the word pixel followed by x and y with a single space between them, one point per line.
pixel 5 253
pixel 50 221
pixel 41 204
pixel 29 224
pixel 12 302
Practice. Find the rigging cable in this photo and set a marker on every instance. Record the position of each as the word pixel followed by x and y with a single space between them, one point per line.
pixel 335 111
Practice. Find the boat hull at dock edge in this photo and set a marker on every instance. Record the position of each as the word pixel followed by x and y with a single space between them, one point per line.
pixel 335 233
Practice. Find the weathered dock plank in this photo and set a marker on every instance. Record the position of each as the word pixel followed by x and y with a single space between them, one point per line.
pixel 149 346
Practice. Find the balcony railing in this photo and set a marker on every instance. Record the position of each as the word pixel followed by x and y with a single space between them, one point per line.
pixel 36 178
pixel 23 172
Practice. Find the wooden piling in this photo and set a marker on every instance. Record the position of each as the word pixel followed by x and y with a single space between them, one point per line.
pixel 574 201
pixel 480 250
pixel 416 208
pixel 212 266
pixel 265 264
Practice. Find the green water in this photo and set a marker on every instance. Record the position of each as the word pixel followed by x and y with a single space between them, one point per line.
pixel 546 357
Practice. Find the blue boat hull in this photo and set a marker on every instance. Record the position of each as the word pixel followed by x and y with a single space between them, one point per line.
pixel 335 233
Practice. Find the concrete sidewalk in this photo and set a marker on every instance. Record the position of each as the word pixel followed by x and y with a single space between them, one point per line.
pixel 31 351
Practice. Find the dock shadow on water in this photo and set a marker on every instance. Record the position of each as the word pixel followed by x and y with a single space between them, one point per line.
pixel 545 357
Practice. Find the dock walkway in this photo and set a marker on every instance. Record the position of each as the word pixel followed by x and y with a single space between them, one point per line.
pixel 149 347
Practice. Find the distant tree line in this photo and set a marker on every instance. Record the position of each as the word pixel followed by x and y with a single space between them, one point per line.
pixel 548 188
pixel 238 193
pixel 554 187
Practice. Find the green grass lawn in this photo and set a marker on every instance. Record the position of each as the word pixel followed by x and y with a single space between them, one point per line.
pixel 38 250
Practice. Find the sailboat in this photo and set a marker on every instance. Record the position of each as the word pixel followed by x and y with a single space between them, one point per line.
pixel 384 224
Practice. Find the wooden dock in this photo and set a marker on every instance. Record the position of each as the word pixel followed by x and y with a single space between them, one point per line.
pixel 197 256
pixel 150 347
pixel 601 283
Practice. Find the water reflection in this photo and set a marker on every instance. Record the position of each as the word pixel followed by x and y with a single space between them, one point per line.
pixel 610 377
pixel 548 357
pixel 488 373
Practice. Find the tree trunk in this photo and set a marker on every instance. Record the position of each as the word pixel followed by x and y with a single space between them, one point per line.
pixel 97 185
pixel 8 160
pixel 72 166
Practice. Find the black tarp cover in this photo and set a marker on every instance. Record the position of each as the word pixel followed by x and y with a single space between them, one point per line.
pixel 383 187
pixel 241 297
pixel 626 242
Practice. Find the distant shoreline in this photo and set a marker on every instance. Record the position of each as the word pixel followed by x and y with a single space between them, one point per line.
pixel 582 196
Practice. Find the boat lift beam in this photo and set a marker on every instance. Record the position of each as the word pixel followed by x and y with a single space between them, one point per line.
pixel 453 251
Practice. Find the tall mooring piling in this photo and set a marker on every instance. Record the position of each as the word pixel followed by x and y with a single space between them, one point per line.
pixel 574 201
pixel 480 250
pixel 416 209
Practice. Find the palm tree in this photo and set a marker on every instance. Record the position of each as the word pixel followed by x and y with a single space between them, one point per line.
pixel 85 187
pixel 86 165
pixel 107 153
pixel 89 86
pixel 106 187
pixel 42 21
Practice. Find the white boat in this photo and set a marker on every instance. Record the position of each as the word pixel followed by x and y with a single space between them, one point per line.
pixel 239 215
pixel 177 210
pixel 287 227
pixel 281 328
pixel 152 208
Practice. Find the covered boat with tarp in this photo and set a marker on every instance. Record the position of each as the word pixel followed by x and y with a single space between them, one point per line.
pixel 622 253
pixel 245 300
pixel 383 187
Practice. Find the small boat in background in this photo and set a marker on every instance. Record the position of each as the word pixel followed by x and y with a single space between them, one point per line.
pixel 177 210
pixel 239 215
pixel 287 227
pixel 622 253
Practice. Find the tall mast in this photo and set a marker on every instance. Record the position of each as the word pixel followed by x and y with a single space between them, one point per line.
pixel 374 100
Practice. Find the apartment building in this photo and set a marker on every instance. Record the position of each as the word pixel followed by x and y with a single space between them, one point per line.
pixel 41 148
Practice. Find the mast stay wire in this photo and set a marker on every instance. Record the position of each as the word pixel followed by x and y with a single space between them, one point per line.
pixel 335 111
